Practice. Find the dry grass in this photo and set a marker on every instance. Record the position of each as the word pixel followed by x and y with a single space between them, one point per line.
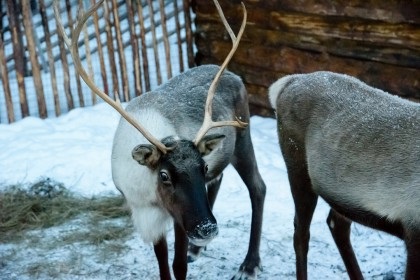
pixel 46 204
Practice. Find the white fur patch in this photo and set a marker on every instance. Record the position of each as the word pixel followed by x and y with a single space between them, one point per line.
pixel 152 222
pixel 275 89
pixel 137 182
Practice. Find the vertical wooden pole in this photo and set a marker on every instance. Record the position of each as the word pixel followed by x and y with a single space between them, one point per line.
pixel 51 63
pixel 145 60
pixel 27 23
pixel 76 75
pixel 18 55
pixel 5 81
pixel 188 32
pixel 165 39
pixel 66 73
pixel 100 51
pixel 109 42
pixel 178 37
pixel 87 51
pixel 134 48
pixel 123 64
pixel 155 49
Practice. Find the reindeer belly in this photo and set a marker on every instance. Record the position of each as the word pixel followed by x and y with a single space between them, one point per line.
pixel 350 175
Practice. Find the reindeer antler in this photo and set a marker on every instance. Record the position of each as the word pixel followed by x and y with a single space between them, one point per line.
pixel 72 46
pixel 208 123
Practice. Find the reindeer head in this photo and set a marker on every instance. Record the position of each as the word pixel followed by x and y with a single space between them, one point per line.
pixel 181 183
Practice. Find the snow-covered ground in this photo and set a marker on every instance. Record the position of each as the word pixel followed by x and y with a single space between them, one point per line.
pixel 75 149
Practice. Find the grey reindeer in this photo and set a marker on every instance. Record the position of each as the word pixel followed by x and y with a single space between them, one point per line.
pixel 358 148
pixel 164 170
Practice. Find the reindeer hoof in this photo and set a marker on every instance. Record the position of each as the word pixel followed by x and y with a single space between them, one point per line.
pixel 194 252
pixel 248 271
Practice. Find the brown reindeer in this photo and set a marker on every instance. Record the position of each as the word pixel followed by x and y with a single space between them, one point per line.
pixel 359 149
pixel 163 171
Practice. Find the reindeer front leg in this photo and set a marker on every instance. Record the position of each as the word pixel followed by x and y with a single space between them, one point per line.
pixel 245 163
pixel 181 247
pixel 161 252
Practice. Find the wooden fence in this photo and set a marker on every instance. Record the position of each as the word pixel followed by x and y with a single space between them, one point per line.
pixel 376 41
pixel 128 47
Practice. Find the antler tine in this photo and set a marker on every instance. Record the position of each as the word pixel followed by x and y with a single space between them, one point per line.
pixel 208 123
pixel 72 46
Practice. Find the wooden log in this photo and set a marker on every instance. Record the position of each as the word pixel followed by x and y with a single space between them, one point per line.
pixel 18 55
pixel 100 51
pixel 134 49
pixel 386 42
pixel 76 75
pixel 66 74
pixel 178 37
pixel 27 22
pixel 392 11
pixel 188 32
pixel 51 64
pixel 289 60
pixel 165 40
pixel 87 51
pixel 120 47
pixel 6 86
pixel 110 46
pixel 145 60
pixel 154 40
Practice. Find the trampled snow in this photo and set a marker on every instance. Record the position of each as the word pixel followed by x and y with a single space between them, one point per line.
pixel 75 149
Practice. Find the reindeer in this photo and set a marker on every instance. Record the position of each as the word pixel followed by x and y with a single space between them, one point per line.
pixel 359 149
pixel 163 171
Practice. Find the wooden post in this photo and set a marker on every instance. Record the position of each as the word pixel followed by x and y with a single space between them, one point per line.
pixel 178 37
pixel 6 87
pixel 51 63
pixel 109 42
pixel 145 60
pixel 155 49
pixel 76 75
pixel 18 54
pixel 100 51
pixel 27 22
pixel 87 51
pixel 123 64
pixel 134 48
pixel 188 32
pixel 165 39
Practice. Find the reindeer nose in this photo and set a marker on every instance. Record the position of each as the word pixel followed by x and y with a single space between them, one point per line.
pixel 203 233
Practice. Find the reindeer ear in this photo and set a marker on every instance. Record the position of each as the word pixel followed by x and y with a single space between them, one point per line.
pixel 209 143
pixel 147 155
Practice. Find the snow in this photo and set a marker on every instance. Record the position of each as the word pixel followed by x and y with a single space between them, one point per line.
pixel 75 149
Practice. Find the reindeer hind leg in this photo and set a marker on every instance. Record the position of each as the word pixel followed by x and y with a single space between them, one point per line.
pixel 305 201
pixel 412 241
pixel 340 230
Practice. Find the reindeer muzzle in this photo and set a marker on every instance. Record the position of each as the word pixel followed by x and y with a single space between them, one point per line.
pixel 203 233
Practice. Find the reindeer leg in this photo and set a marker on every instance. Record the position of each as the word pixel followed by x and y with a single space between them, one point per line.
pixel 412 242
pixel 305 202
pixel 340 230
pixel 161 252
pixel 245 163
pixel 212 190
pixel 180 259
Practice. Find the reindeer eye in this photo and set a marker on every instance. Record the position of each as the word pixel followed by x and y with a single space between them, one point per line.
pixel 164 176
pixel 206 168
